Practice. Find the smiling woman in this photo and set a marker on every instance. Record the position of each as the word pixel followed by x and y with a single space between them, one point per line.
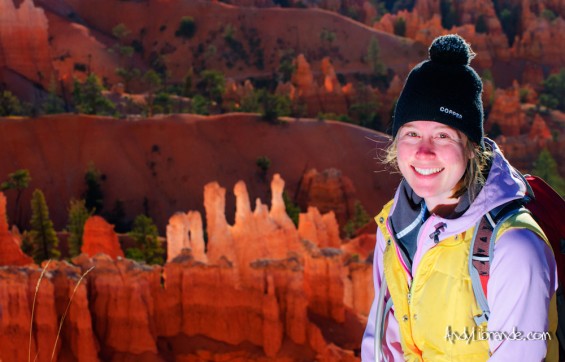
pixel 432 158
pixel 424 272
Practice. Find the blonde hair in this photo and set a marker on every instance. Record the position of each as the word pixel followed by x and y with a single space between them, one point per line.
pixel 474 173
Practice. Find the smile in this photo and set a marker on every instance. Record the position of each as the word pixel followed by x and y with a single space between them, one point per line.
pixel 427 171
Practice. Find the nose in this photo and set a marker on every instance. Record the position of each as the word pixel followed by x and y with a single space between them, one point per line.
pixel 425 149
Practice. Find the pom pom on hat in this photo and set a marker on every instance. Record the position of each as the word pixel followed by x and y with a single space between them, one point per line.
pixel 444 89
pixel 451 49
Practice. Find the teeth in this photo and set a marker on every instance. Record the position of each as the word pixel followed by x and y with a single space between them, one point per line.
pixel 427 171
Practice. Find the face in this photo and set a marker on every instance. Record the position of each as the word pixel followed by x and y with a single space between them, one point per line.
pixel 432 159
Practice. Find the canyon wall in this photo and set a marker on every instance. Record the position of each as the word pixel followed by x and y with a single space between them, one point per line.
pixel 261 291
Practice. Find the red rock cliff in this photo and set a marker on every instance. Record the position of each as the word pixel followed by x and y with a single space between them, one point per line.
pixel 259 292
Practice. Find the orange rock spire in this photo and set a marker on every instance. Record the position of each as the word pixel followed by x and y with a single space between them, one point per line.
pixel 99 237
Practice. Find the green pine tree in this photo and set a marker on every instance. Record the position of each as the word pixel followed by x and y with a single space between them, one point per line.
pixel 212 85
pixel 553 91
pixel 148 246
pixel 125 51
pixel 42 233
pixel 374 57
pixel 546 168
pixel 360 218
pixel 19 181
pixel 10 105
pixel 53 104
pixel 93 196
pixel 153 83
pixel 78 214
pixel 88 98
pixel 292 210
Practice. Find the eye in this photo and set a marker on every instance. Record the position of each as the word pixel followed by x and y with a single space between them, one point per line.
pixel 443 135
pixel 411 134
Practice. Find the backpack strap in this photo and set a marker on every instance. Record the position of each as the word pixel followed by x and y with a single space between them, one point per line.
pixel 381 313
pixel 482 246
pixel 479 264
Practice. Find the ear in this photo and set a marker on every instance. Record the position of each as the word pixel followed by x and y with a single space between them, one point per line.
pixel 472 151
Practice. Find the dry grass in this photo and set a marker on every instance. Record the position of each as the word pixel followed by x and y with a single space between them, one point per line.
pixel 62 317
pixel 33 310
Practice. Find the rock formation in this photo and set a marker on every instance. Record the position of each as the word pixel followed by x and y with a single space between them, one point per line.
pixel 539 131
pixel 185 231
pixel 537 43
pixel 328 190
pixel 19 289
pixel 320 230
pixel 326 96
pixel 10 251
pixel 259 290
pixel 99 237
pixel 506 112
pixel 24 43
pixel 331 95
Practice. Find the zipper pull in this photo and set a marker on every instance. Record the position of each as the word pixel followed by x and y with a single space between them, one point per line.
pixel 439 229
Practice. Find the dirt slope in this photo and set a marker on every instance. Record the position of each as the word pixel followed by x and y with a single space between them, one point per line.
pixel 169 160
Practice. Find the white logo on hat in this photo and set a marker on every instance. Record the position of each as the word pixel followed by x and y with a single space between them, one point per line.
pixel 449 111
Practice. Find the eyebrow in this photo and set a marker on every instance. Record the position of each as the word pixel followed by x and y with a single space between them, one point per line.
pixel 439 127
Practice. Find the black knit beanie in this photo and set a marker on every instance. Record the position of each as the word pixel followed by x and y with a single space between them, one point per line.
pixel 444 89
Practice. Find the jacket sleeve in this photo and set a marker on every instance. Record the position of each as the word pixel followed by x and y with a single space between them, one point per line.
pixel 391 346
pixel 523 279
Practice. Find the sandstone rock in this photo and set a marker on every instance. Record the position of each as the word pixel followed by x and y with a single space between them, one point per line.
pixel 469 13
pixel 122 306
pixel 16 315
pixel 524 151
pixel 99 237
pixel 540 132
pixel 315 97
pixel 323 231
pixel 361 247
pixel 488 93
pixel 220 241
pixel 537 43
pixel 323 270
pixel 18 289
pixel 278 208
pixel 302 77
pixel 10 251
pixel 24 41
pixel 259 300
pixel 328 191
pixel 506 112
pixel 360 280
pixel 45 316
pixel 427 8
pixel 331 96
pixel 185 231
pixel 71 295
pixel 532 76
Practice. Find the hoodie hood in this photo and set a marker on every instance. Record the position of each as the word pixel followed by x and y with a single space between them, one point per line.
pixel 503 184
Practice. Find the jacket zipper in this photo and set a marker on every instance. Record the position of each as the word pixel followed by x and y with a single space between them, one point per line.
pixel 419 251
pixel 408 272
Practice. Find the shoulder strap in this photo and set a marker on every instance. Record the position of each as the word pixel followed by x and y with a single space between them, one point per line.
pixel 479 265
pixel 482 246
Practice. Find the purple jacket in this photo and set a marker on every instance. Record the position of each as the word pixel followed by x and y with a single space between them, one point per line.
pixel 518 298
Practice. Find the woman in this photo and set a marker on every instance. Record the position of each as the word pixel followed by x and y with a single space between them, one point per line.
pixel 425 308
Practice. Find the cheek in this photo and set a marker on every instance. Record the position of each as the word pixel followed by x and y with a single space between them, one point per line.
pixel 402 159
pixel 459 160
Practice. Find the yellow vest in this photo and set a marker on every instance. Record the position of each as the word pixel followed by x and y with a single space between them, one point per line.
pixel 435 314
